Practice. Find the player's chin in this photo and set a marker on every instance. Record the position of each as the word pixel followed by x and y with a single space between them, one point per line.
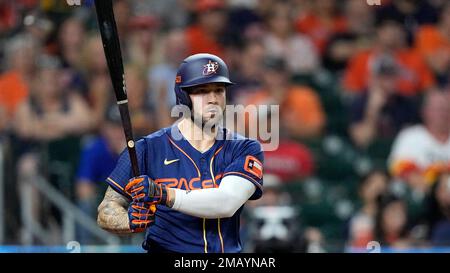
pixel 212 119
pixel 214 113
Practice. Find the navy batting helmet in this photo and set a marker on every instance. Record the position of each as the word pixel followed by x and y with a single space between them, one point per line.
pixel 196 70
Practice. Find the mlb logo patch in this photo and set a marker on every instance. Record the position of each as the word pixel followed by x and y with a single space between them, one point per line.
pixel 253 166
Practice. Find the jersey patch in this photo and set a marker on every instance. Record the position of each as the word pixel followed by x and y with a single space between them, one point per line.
pixel 253 166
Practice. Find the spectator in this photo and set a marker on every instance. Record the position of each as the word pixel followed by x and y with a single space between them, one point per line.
pixel 281 41
pixel 410 13
pixel 306 121
pixel 161 78
pixel 248 77
pixel 171 18
pixel 97 75
pixel 40 28
pixel 421 152
pixel 414 76
pixel 291 161
pixel 391 222
pixel 14 83
pixel 207 33
pixel 141 40
pixel 50 113
pixel 71 39
pixel 381 112
pixel 10 14
pixel 433 42
pixel 3 121
pixel 245 19
pixel 439 211
pixel 142 118
pixel 273 222
pixel 288 160
pixel 357 37
pixel 122 14
pixel 98 159
pixel 321 22
pixel 276 196
pixel 360 19
pixel 47 115
pixel 57 11
pixel 362 224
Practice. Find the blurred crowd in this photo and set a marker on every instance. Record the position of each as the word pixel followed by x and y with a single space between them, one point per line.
pixel 364 95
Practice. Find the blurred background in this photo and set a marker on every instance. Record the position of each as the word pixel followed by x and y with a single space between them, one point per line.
pixel 364 153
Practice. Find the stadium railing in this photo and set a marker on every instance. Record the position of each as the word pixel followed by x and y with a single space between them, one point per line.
pixel 71 216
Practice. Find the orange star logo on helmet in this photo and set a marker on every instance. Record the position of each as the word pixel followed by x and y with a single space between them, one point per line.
pixel 210 68
pixel 178 79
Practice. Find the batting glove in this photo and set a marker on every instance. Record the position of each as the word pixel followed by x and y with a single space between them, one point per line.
pixel 144 189
pixel 141 216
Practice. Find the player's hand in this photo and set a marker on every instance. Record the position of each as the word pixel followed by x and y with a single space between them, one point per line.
pixel 141 216
pixel 144 189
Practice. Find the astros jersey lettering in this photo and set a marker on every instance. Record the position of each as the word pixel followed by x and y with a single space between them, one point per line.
pixel 169 159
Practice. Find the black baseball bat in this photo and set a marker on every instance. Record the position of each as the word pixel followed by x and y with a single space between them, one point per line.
pixel 111 46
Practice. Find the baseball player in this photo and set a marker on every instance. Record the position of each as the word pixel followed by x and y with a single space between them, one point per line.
pixel 193 188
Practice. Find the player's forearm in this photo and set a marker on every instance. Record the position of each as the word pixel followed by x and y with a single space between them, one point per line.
pixel 113 218
pixel 219 202
pixel 113 214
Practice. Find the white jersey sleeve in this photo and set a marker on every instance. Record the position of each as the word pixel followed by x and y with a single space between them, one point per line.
pixel 221 202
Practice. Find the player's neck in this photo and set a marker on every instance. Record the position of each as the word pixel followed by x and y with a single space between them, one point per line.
pixel 200 139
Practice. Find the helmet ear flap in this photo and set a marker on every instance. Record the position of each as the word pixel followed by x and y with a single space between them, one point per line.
pixel 183 97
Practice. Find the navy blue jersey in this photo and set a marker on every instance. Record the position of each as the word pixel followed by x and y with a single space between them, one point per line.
pixel 175 163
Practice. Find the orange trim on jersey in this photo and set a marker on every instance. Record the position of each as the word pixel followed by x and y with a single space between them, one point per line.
pixel 178 183
pixel 403 168
pixel 199 175
pixel 432 172
pixel 218 150
pixel 195 165
pixel 192 181
pixel 173 182
pixel 246 176
pixel 117 185
pixel 207 184
pixel 161 180
pixel 210 166
pixel 181 182
pixel 215 186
